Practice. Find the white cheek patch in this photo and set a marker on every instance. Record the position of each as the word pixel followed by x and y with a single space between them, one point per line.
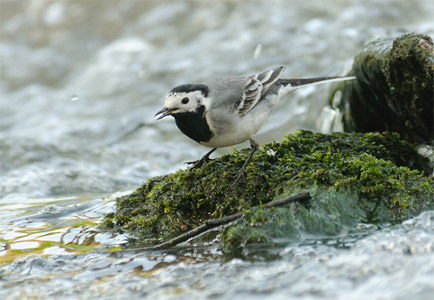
pixel 206 102
pixel 196 98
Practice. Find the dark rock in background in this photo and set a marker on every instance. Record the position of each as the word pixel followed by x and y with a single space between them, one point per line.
pixel 394 89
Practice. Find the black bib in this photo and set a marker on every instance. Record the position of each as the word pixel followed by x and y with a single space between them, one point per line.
pixel 194 125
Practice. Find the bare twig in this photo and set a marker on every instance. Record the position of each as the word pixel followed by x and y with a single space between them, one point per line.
pixel 209 224
pixel 221 221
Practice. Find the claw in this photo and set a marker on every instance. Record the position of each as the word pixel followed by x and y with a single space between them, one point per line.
pixel 198 163
pixel 241 175
pixel 201 162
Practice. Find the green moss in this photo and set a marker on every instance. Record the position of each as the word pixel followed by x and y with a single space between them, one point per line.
pixel 328 215
pixel 369 177
pixel 393 89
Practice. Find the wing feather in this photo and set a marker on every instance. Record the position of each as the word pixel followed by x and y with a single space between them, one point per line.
pixel 257 86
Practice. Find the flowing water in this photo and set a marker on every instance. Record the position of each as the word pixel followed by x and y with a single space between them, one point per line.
pixel 80 83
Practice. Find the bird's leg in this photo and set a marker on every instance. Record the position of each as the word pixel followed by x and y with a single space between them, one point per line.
pixel 241 172
pixel 201 162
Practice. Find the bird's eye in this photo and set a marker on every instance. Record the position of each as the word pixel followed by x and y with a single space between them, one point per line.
pixel 185 100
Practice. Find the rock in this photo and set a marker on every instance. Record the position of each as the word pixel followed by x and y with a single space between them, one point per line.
pixel 394 89
pixel 352 178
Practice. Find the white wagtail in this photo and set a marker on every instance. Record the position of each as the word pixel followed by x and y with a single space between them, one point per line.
pixel 228 111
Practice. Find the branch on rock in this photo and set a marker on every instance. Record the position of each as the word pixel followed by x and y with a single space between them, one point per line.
pixel 222 221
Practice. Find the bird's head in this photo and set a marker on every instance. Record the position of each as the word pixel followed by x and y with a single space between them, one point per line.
pixel 186 98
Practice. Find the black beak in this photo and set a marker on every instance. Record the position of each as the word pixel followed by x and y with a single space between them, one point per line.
pixel 164 112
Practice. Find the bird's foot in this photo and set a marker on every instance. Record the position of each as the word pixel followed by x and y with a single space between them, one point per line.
pixel 201 162
pixel 241 175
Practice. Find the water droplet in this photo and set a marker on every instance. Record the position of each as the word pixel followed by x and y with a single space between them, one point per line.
pixel 74 98
pixel 258 51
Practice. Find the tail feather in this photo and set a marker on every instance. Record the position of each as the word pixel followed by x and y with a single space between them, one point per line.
pixel 290 85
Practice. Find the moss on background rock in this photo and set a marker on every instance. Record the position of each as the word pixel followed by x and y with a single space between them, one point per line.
pixel 373 177
pixel 393 90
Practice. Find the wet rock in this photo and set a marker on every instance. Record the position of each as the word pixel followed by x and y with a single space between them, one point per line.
pixel 394 89
pixel 352 178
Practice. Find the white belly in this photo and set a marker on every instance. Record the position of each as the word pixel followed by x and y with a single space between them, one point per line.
pixel 231 129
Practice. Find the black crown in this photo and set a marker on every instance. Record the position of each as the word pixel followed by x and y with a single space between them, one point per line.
pixel 187 88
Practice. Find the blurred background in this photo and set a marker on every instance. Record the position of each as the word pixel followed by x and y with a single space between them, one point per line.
pixel 81 80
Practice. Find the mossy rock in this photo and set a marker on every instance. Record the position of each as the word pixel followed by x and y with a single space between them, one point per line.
pixel 393 90
pixel 373 177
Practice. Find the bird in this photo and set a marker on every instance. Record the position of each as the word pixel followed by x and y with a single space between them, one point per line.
pixel 228 111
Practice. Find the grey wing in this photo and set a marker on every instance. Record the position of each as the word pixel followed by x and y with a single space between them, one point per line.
pixel 257 86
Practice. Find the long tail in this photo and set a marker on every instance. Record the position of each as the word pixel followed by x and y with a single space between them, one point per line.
pixel 290 85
